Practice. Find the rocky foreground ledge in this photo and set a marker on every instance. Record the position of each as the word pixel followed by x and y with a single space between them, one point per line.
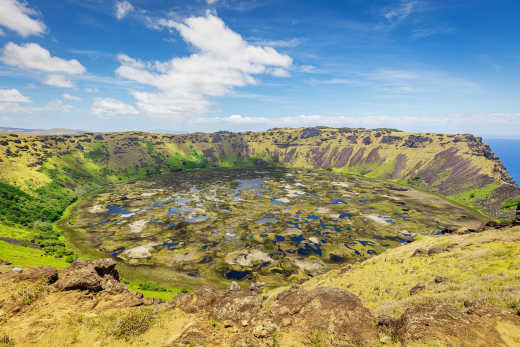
pixel 87 302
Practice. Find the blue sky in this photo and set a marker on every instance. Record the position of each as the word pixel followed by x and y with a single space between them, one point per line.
pixel 207 65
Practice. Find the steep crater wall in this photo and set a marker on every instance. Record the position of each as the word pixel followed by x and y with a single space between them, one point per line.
pixel 461 167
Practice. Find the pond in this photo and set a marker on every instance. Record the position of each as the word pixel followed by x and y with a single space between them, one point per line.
pixel 274 225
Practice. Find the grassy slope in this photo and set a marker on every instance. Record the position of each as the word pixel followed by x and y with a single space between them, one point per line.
pixel 481 266
pixel 24 256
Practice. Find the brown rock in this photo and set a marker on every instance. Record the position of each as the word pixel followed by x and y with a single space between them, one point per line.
pixel 90 275
pixel 327 309
pixel 437 250
pixel 44 273
pixel 419 252
pixel 440 279
pixel 417 288
pixel 445 325
pixel 199 300
pixel 237 306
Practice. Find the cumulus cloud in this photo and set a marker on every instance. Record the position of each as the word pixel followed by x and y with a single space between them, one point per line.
pixel 223 61
pixel 16 16
pixel 71 97
pixel 12 95
pixel 111 107
pixel 59 81
pixel 34 57
pixel 122 9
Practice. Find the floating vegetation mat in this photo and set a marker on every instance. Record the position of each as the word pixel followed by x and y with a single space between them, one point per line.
pixel 270 225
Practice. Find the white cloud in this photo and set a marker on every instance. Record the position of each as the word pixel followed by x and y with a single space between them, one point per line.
pixel 71 97
pixel 211 2
pixel 123 8
pixel 401 11
pixel 277 43
pixel 10 107
pixel 59 81
pixel 16 16
pixel 223 61
pixel 58 106
pixel 32 56
pixel 421 33
pixel 91 90
pixel 12 95
pixel 112 107
pixel 53 105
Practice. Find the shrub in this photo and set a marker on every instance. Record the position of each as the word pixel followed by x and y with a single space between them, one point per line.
pixel 132 324
pixel 6 341
pixel 151 286
pixel 29 293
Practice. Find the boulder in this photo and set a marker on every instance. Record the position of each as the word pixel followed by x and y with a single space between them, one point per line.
pixel 237 306
pixel 234 305
pixel 90 275
pixel 419 252
pixel 440 279
pixel 419 287
pixel 234 286
pixel 437 250
pixel 198 300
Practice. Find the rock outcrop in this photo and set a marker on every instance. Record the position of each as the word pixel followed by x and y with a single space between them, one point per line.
pixel 322 309
pixel 93 276
pixel 446 325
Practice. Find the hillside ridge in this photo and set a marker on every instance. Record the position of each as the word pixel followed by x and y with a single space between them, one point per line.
pixel 460 166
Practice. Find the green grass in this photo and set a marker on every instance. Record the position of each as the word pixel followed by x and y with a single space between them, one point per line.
pixel 510 204
pixel 19 255
pixel 469 197
pixel 16 232
pixel 153 290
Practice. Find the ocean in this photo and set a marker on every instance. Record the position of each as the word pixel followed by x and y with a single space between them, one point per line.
pixel 509 152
